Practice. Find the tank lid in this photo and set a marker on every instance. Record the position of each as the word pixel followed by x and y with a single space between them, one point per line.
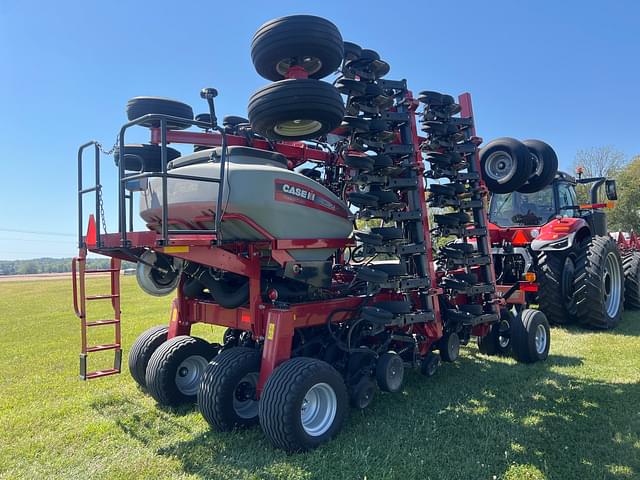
pixel 213 155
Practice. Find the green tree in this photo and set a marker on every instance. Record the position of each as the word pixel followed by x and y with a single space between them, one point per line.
pixel 625 216
pixel 603 161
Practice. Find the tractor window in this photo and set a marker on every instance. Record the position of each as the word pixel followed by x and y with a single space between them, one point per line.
pixel 566 198
pixel 517 209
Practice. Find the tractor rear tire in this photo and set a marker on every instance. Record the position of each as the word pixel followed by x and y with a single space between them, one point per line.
pixel 226 396
pixel 141 351
pixel 631 265
pixel 296 109
pixel 304 404
pixel 175 369
pixel 506 164
pixel 314 42
pixel 556 296
pixel 599 284
pixel 144 157
pixel 545 166
pixel 530 336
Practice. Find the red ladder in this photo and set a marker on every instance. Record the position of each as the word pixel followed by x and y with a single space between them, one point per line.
pixel 79 272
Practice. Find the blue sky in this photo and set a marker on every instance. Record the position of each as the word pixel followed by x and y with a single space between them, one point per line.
pixel 564 72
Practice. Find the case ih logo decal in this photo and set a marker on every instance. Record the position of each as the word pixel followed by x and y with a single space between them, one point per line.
pixel 293 192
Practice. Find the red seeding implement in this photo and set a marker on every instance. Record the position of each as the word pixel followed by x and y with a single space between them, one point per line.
pixel 305 230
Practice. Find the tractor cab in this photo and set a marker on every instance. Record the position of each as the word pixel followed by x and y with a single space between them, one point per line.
pixel 535 209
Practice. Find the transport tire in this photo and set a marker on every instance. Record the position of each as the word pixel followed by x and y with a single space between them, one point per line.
pixel 556 294
pixel 352 51
pixel 631 266
pixel 429 364
pixel 304 404
pixel 227 393
pixel 545 166
pixel 141 351
pixel 599 284
pixel 390 372
pixel 312 42
pixel 296 109
pixel 144 157
pixel 505 164
pixel 231 292
pixel 234 121
pixel 140 106
pixel 530 336
pixel 175 368
pixel 153 281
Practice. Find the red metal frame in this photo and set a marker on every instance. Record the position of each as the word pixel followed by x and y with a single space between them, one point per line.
pixel 274 325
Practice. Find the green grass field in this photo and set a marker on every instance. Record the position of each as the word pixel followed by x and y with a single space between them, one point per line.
pixel 575 416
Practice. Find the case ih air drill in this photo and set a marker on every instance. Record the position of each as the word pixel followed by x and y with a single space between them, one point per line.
pixel 305 230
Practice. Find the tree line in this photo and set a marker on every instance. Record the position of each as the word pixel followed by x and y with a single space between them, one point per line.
pixel 51 265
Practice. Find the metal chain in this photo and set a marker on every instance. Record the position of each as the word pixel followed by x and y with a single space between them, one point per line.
pixel 104 222
pixel 111 150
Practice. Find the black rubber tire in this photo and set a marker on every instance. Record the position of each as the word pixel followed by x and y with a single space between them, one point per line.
pixel 204 117
pixel 429 364
pixel 141 351
pixel 297 99
pixel 450 347
pixel 390 372
pixel 297 36
pixel 282 398
pixel 523 333
pixel 545 166
pixel 218 387
pixel 234 120
pixel 490 343
pixel 590 284
pixel 522 164
pixel 163 367
pixel 352 51
pixel 631 266
pixel 552 286
pixel 140 106
pixel 362 394
pixel 150 154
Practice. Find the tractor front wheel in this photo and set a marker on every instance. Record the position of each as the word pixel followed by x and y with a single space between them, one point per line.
pixel 304 404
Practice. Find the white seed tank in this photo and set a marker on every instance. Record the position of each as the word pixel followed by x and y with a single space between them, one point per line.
pixel 259 186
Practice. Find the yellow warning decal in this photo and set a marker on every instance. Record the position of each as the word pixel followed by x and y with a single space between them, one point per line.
pixel 176 249
pixel 270 331
pixel 174 314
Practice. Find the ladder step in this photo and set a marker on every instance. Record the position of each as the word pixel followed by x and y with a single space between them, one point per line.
pixel 101 373
pixel 102 297
pixel 98 323
pixel 102 270
pixel 106 346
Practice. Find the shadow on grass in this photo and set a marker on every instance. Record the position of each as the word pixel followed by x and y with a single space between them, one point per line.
pixel 476 418
pixel 628 326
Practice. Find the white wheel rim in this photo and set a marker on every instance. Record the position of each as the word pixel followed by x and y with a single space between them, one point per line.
pixel 244 396
pixel 612 283
pixel 188 374
pixel 295 128
pixel 318 410
pixel 500 167
pixel 541 339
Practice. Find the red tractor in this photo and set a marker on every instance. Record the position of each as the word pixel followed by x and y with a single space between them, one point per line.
pixel 581 272
pixel 255 230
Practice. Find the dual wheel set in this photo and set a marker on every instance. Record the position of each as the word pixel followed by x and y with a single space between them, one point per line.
pixel 303 404
pixel 509 165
